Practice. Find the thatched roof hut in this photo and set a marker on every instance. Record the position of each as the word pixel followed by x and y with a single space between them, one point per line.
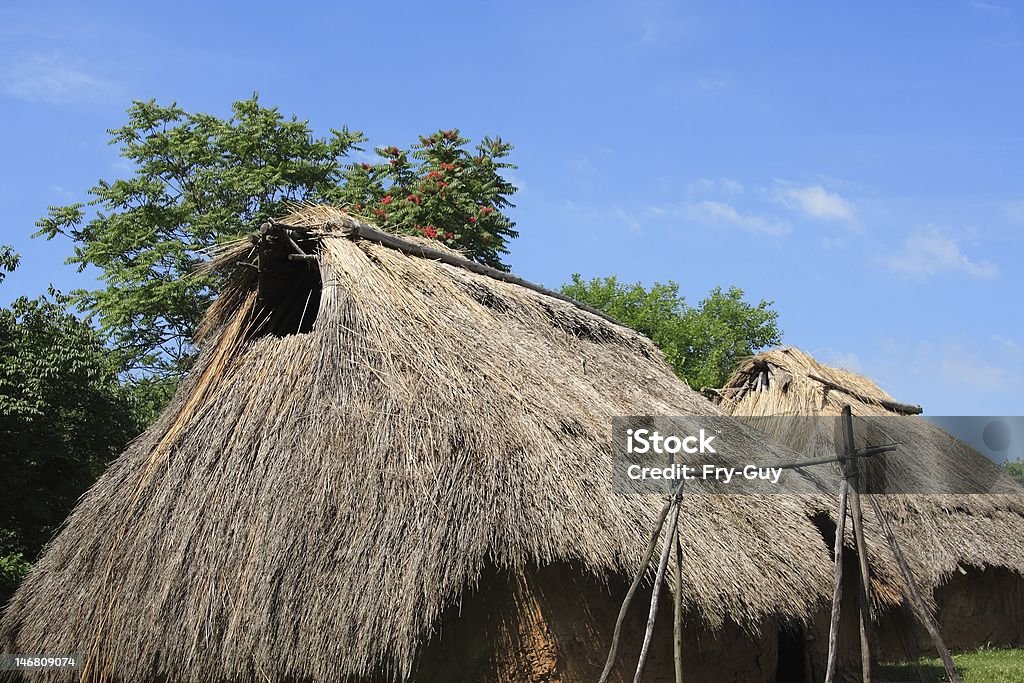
pixel 362 443
pixel 959 515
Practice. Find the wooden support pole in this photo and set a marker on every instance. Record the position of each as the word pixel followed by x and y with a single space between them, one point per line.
pixel 837 593
pixel 666 550
pixel 652 543
pixel 677 612
pixel 852 471
pixel 913 595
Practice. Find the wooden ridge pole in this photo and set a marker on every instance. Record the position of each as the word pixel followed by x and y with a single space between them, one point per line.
pixel 355 229
pixel 852 471
pixel 895 406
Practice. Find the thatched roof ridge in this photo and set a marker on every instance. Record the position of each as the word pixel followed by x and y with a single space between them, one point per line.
pixel 942 532
pixel 809 386
pixel 310 503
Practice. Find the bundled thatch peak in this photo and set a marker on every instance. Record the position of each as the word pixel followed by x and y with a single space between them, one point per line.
pixel 360 438
pixel 800 385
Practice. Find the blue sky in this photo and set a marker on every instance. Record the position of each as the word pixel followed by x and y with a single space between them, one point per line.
pixel 859 164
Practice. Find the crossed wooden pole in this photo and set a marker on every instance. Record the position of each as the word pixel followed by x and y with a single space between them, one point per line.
pixel 850 485
pixel 911 592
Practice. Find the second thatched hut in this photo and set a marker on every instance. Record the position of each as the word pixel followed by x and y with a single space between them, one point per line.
pixel 958 517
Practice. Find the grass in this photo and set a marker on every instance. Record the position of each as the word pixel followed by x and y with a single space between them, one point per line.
pixel 979 666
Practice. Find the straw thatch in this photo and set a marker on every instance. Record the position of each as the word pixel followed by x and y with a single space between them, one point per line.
pixel 311 502
pixel 960 509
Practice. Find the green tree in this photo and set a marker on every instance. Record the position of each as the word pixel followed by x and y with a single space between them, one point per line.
pixel 440 190
pixel 702 344
pixel 199 179
pixel 1015 468
pixel 63 416
pixel 8 260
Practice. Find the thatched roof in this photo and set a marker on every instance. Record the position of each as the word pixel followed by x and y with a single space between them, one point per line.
pixel 968 512
pixel 310 503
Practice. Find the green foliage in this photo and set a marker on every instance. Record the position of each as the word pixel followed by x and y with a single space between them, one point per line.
pixel 63 413
pixel 440 190
pixel 1015 468
pixel 8 260
pixel 13 569
pixel 199 179
pixel 722 330
pixel 702 344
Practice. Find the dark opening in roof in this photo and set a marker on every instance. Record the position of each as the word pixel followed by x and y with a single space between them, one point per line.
pixel 289 284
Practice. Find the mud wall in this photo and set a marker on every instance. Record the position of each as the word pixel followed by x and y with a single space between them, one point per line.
pixel 555 624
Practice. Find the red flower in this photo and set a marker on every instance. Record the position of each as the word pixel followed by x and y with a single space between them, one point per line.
pixel 486 210
pixel 448 235
pixel 380 212
pixel 433 175
pixel 357 207
pixel 386 200
pixel 366 166
pixel 441 185
pixel 430 231
pixel 472 219
pixel 414 199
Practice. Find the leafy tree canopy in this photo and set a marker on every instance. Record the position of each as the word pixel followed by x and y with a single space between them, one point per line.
pixel 199 179
pixel 8 260
pixel 702 344
pixel 64 415
pixel 1015 468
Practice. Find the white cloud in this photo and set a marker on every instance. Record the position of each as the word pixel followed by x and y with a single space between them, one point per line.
pixel 816 202
pixel 959 366
pixel 713 83
pixel 626 218
pixel 832 242
pixel 841 359
pixel 515 179
pixel 61 193
pixel 931 253
pixel 53 80
pixel 701 186
pixel 1014 211
pixel 724 186
pixel 1009 345
pixel 722 214
pixel 603 215
pixel 730 186
pixel 989 6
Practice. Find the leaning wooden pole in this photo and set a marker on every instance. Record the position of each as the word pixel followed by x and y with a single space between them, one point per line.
pixel 852 470
pixel 652 543
pixel 666 550
pixel 913 595
pixel 677 611
pixel 837 593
